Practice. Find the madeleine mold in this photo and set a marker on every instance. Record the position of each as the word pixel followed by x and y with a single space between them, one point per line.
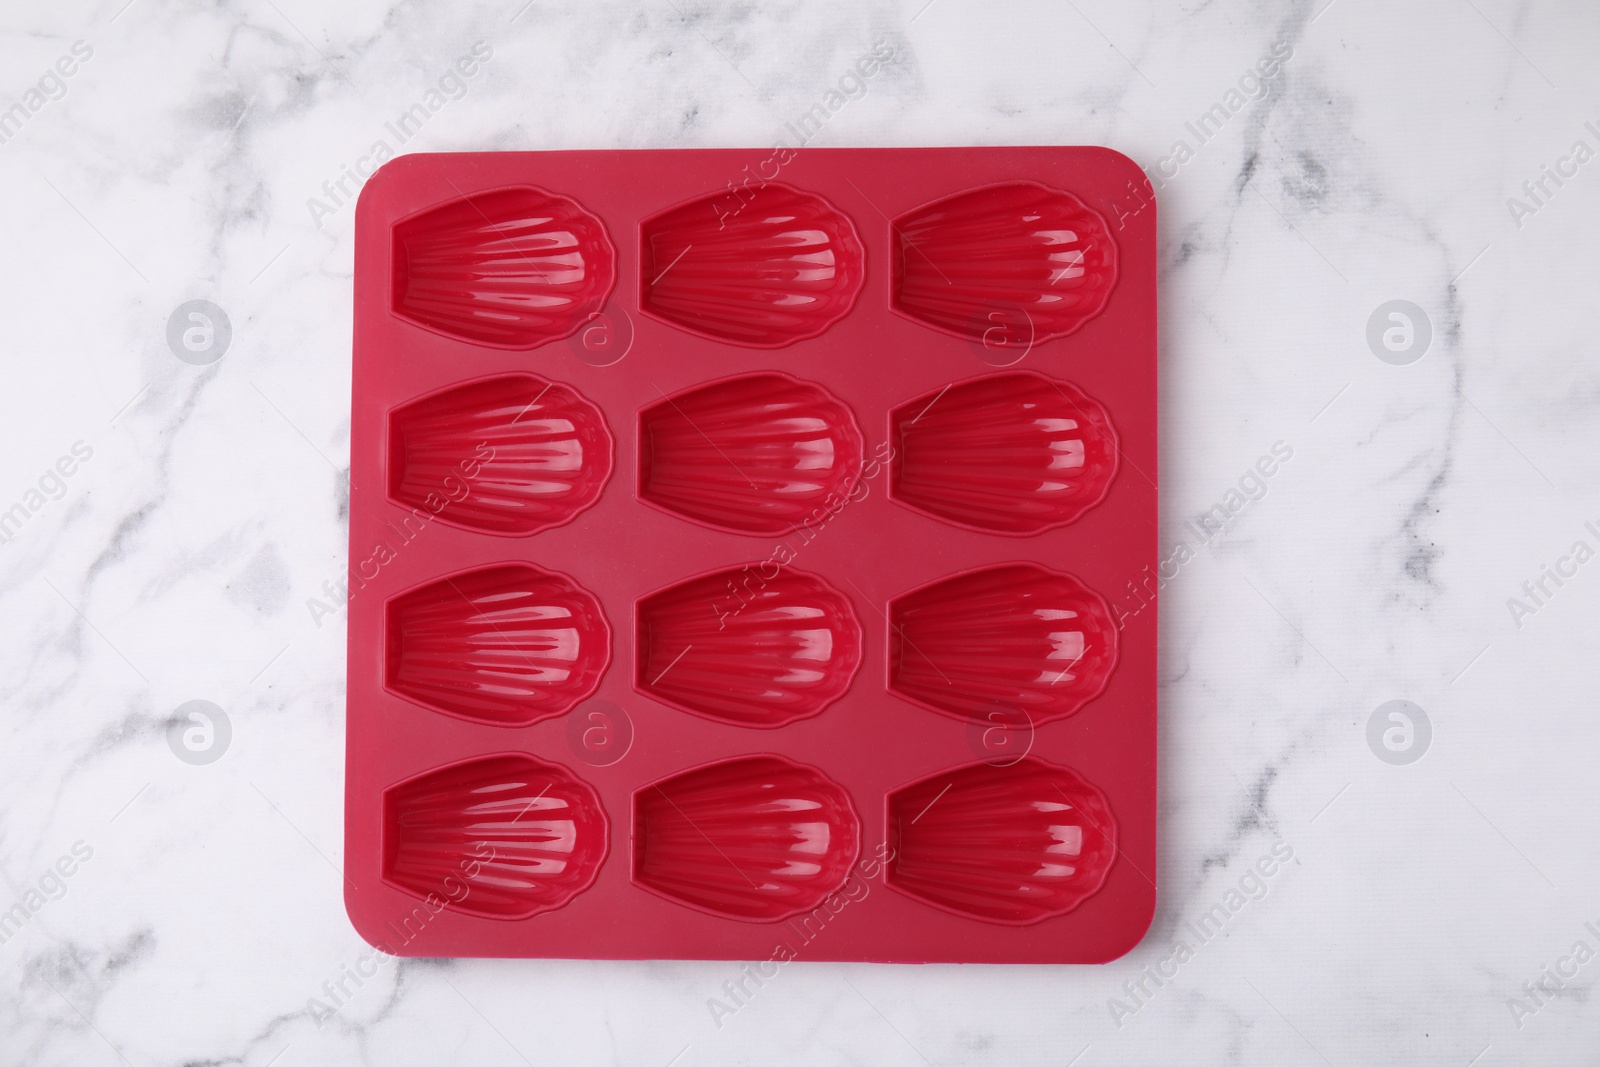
pixel 514 454
pixel 753 556
pixel 505 837
pixel 962 263
pixel 1007 844
pixel 507 645
pixel 509 268
pixel 1008 454
pixel 1013 638
pixel 758 454
pixel 746 649
pixel 769 268
pixel 758 838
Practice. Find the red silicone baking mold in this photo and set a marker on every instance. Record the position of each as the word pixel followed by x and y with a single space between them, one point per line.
pixel 749 554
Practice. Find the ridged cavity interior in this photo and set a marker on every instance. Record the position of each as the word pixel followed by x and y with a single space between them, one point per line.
pixel 760 454
pixel 757 838
pixel 1013 454
pixel 1013 250
pixel 504 837
pixel 1011 845
pixel 750 646
pixel 507 645
pixel 1011 638
pixel 762 267
pixel 514 455
pixel 509 268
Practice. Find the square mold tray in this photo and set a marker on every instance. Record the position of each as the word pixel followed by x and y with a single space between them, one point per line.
pixel 751 557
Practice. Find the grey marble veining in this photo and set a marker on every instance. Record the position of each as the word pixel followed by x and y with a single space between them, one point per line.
pixel 1428 537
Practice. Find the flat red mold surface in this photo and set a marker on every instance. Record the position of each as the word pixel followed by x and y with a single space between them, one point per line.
pixel 727 582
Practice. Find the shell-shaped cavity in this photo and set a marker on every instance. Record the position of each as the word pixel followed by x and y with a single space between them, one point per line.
pixel 758 838
pixel 507 644
pixel 504 836
pixel 507 268
pixel 1016 637
pixel 759 454
pixel 1014 844
pixel 756 645
pixel 1014 453
pixel 1015 250
pixel 761 268
pixel 513 454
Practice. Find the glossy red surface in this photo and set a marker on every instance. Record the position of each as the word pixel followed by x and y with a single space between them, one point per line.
pixel 721 595
pixel 1009 247
pixel 507 644
pixel 1014 844
pixel 758 838
pixel 1011 453
pixel 765 268
pixel 760 453
pixel 769 651
pixel 505 836
pixel 509 268
pixel 1015 636
pixel 512 454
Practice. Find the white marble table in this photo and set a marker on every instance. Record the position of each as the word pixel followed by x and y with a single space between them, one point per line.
pixel 166 523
